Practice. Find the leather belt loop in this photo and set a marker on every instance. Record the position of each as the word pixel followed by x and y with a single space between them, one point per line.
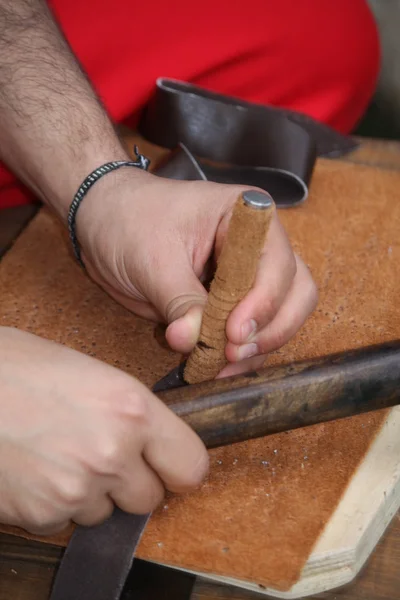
pixel 223 139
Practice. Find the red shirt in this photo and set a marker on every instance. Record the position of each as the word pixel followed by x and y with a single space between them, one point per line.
pixel 316 56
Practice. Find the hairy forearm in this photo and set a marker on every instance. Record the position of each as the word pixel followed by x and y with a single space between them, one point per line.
pixel 53 128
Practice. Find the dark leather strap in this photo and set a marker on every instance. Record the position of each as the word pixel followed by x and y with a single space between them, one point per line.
pixel 249 144
pixel 98 559
pixel 223 139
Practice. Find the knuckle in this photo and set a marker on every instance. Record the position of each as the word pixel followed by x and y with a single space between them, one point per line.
pixel 71 491
pixel 132 404
pixel 127 419
pixel 108 459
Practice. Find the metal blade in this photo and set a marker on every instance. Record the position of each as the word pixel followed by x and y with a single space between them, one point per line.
pixel 173 379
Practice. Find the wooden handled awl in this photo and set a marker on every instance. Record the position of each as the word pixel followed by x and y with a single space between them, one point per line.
pixel 233 279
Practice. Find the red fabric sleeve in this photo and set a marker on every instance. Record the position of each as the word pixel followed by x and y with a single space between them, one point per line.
pixel 316 56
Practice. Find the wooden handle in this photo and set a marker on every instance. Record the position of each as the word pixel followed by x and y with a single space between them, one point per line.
pixel 234 277
pixel 239 408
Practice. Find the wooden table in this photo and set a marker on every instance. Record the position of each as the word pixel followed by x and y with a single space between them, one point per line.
pixel 27 568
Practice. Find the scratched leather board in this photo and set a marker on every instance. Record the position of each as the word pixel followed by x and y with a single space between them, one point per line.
pixel 266 501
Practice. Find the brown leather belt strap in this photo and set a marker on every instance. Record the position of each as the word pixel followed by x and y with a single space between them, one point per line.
pixel 223 139
pixel 96 567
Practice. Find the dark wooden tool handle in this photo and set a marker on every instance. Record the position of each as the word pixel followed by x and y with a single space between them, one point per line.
pixel 234 277
pixel 278 399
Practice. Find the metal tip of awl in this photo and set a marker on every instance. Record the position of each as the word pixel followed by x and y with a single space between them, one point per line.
pixel 257 199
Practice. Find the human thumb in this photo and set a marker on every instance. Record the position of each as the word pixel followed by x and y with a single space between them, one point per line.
pixel 181 299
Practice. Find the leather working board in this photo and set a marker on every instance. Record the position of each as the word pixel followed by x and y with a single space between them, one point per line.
pixel 267 501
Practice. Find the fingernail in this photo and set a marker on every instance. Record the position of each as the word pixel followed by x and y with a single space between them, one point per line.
pixel 247 350
pixel 248 329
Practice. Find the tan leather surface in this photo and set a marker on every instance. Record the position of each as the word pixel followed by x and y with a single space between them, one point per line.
pixel 266 501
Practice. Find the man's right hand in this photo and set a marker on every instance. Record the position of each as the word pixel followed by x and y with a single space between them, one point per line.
pixel 78 436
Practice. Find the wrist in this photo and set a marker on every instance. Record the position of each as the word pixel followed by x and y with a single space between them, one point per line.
pixel 91 209
pixel 73 167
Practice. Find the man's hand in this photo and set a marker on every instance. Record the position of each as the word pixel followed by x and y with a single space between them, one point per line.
pixel 77 436
pixel 147 241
